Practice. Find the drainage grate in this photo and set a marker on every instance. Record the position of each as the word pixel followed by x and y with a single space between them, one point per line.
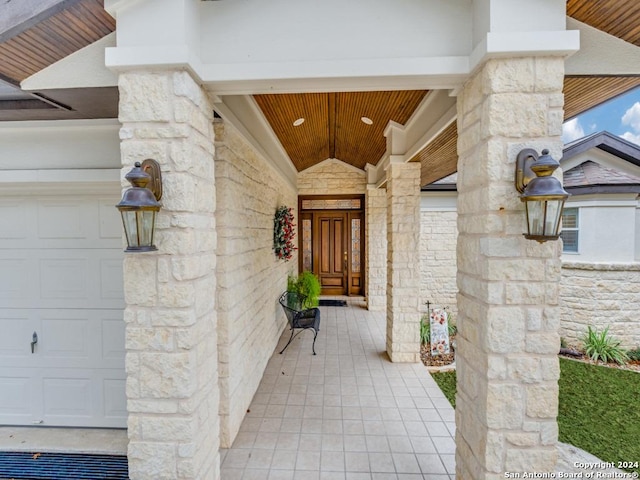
pixel 62 466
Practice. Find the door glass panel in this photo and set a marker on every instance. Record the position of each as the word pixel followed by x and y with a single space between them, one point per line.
pixel 355 245
pixel 332 204
pixel 306 245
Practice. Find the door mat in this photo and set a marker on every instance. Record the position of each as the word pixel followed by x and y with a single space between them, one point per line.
pixel 333 303
pixel 62 466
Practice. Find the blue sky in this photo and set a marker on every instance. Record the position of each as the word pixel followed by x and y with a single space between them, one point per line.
pixel 620 116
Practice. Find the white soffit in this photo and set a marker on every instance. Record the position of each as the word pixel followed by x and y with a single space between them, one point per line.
pixel 87 67
pixel 601 53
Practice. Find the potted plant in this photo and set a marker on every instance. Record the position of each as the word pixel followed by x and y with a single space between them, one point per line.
pixel 306 284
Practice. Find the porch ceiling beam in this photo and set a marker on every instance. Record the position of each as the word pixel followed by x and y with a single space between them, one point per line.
pixel 19 16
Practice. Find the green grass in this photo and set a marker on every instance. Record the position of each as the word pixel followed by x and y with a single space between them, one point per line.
pixel 599 409
pixel 447 383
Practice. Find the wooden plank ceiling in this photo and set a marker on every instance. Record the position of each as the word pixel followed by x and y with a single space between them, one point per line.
pixel 66 27
pixel 333 126
pixel 620 18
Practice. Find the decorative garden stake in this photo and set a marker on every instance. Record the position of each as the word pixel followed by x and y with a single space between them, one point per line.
pixel 439 319
pixel 283 233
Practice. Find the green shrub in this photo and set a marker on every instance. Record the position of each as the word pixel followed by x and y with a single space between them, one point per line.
pixel 306 284
pixel 601 346
pixel 425 329
pixel 563 342
pixel 634 354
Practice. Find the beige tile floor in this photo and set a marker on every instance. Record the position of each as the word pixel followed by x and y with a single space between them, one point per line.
pixel 346 414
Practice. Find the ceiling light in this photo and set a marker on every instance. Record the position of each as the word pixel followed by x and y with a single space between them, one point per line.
pixel 366 120
pixel 298 122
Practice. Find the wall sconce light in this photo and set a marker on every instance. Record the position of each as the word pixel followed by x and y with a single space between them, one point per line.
pixel 139 205
pixel 542 193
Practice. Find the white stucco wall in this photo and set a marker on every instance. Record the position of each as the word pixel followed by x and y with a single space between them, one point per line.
pixel 63 144
pixel 607 228
pixel 250 278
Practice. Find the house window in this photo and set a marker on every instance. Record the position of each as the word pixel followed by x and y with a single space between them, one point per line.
pixel 570 230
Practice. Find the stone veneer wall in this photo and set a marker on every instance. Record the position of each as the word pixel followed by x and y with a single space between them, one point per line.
pixel 508 306
pixel 376 244
pixel 331 177
pixel 403 269
pixel 250 278
pixel 170 314
pixel 438 237
pixel 601 295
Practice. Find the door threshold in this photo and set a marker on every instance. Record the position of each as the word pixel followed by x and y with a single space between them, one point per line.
pixel 106 441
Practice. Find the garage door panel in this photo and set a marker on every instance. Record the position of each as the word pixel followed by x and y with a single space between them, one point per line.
pixel 64 397
pixel 113 338
pixel 64 219
pixel 110 221
pixel 14 213
pixel 64 278
pixel 115 399
pixel 16 395
pixel 111 274
pixel 60 222
pixel 77 278
pixel 77 397
pixel 64 338
pixel 15 273
pixel 16 332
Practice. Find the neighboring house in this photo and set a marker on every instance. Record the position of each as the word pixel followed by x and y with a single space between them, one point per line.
pixel 341 110
pixel 600 283
pixel 601 239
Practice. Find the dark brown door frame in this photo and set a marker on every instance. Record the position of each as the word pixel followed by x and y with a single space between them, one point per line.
pixel 347 234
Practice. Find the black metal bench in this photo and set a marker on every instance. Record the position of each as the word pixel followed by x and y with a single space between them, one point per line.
pixel 300 317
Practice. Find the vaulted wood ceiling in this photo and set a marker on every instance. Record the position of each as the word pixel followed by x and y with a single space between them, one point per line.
pixel 333 124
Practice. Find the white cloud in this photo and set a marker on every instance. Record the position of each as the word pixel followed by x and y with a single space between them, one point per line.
pixel 632 117
pixel 572 130
pixel 631 137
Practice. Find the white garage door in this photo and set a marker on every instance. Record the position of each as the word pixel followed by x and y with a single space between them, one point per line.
pixel 61 278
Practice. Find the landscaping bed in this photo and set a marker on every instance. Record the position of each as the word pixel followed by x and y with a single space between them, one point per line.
pixel 599 409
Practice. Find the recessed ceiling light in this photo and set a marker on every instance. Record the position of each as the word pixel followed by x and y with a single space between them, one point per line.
pixel 298 122
pixel 366 120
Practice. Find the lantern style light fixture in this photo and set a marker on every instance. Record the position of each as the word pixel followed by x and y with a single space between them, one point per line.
pixel 139 205
pixel 542 193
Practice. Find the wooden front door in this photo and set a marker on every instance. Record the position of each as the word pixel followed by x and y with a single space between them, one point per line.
pixel 332 245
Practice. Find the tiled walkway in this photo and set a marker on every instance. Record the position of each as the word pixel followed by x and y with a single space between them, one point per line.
pixel 346 414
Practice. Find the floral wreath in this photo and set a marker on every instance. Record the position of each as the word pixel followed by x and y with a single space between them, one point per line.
pixel 283 233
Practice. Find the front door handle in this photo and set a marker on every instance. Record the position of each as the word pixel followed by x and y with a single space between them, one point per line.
pixel 345 261
pixel 34 340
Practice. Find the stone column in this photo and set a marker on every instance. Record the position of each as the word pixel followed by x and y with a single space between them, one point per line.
pixel 376 242
pixel 403 265
pixel 171 361
pixel 508 314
